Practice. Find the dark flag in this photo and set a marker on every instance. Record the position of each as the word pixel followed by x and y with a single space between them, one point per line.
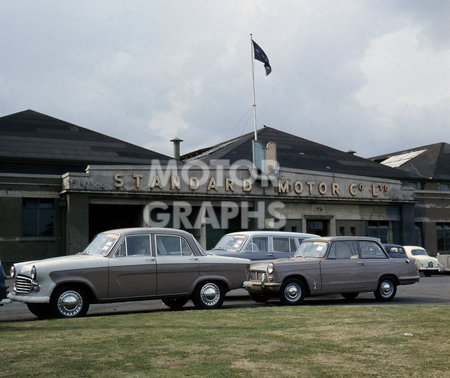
pixel 262 57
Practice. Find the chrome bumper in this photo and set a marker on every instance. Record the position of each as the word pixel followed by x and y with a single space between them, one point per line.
pixel 29 298
pixel 260 286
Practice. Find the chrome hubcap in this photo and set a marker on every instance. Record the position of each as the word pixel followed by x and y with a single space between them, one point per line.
pixel 292 292
pixel 386 289
pixel 210 294
pixel 70 303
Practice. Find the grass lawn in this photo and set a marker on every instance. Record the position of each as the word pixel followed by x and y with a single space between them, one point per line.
pixel 261 341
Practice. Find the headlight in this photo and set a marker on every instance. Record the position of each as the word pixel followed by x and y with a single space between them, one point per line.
pixel 12 271
pixel 270 268
pixel 33 273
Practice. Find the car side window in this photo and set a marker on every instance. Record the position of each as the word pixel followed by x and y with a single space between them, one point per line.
pixel 122 250
pixel 371 250
pixel 257 244
pixel 281 244
pixel 170 245
pixel 341 250
pixel 138 245
pixel 293 245
pixel 185 249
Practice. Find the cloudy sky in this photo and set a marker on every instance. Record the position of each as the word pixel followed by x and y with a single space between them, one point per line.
pixel 371 76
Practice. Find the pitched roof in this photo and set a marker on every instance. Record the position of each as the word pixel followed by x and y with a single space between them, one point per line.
pixel 298 153
pixel 431 161
pixel 31 142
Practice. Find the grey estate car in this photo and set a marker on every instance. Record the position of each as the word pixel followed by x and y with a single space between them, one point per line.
pixel 344 265
pixel 260 245
pixel 127 264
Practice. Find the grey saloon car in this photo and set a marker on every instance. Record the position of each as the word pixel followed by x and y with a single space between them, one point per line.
pixel 343 265
pixel 124 265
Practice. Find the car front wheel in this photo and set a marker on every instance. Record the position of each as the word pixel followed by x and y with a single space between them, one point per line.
pixel 292 292
pixel 208 295
pixel 386 289
pixel 69 302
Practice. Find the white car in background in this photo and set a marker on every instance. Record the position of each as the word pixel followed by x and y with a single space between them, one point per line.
pixel 425 263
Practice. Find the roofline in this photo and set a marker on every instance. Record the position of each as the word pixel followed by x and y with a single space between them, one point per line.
pixel 428 146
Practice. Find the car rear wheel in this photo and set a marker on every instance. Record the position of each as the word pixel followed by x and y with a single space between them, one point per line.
pixel 69 302
pixel 386 289
pixel 292 292
pixel 208 295
pixel 175 303
pixel 41 310
pixel 349 296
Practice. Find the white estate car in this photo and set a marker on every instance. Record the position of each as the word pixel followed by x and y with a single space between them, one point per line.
pixel 425 263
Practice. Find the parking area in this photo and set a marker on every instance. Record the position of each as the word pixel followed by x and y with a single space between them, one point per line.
pixel 434 290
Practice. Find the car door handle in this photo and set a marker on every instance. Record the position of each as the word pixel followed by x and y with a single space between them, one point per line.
pixel 149 260
pixel 193 259
pixel 361 263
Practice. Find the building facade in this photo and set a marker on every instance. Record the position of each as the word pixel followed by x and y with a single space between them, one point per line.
pixel 59 208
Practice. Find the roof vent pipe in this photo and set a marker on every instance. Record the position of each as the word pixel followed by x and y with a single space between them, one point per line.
pixel 176 147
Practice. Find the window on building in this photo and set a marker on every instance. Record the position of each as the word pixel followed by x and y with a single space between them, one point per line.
pixel 381 230
pixel 444 186
pixel 443 236
pixel 412 184
pixel 38 216
pixel 418 234
pixel 317 226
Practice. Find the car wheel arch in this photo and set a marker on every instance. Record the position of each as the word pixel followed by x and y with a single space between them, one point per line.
pixel 87 288
pixel 391 276
pixel 302 279
pixel 218 279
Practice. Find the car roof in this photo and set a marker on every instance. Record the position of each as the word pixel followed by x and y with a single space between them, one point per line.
pixel 134 230
pixel 274 233
pixel 343 238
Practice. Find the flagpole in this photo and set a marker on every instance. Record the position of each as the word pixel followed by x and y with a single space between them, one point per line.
pixel 253 85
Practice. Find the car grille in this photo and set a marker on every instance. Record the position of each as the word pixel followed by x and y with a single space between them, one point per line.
pixel 430 264
pixel 23 285
pixel 255 276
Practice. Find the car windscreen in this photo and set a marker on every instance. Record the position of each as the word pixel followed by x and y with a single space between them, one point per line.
pixel 102 244
pixel 419 252
pixel 231 243
pixel 312 249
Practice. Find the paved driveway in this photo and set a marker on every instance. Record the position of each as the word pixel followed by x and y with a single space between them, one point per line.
pixel 433 290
